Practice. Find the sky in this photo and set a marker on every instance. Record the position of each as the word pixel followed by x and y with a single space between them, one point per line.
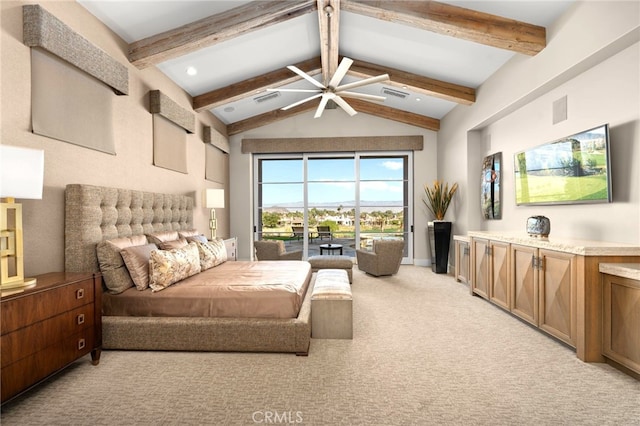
pixel 332 181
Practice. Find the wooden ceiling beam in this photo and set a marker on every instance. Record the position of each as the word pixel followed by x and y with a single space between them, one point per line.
pixel 393 114
pixel 416 83
pixel 215 29
pixel 329 23
pixel 268 118
pixel 253 86
pixel 455 21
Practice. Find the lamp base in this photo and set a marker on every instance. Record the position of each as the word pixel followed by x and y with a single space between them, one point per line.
pixel 27 282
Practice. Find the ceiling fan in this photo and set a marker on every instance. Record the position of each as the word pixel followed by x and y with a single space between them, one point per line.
pixel 332 91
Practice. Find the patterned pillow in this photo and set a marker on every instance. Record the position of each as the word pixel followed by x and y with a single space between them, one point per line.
pixel 167 267
pixel 212 253
pixel 114 272
pixel 200 238
pixel 137 260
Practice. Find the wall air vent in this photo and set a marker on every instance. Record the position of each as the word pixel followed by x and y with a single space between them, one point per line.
pixel 395 93
pixel 266 97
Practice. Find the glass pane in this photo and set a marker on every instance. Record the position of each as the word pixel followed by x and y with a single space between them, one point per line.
pixel 382 193
pixel 281 195
pixel 382 168
pixel 330 169
pixel 281 171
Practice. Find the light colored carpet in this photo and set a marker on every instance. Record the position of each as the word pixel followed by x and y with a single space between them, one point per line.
pixel 424 352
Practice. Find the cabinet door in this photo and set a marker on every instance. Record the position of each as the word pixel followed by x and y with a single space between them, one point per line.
pixel 557 278
pixel 524 283
pixel 480 267
pixel 462 261
pixel 499 292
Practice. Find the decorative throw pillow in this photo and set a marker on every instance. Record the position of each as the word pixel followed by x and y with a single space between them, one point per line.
pixel 114 273
pixel 175 244
pixel 212 253
pixel 162 236
pixel 137 261
pixel 167 267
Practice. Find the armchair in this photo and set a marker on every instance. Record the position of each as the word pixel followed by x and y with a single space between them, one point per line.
pixel 383 260
pixel 274 250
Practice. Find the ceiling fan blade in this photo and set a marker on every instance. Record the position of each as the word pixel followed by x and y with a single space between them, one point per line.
pixel 296 90
pixel 341 71
pixel 364 82
pixel 317 95
pixel 306 76
pixel 363 96
pixel 323 104
pixel 345 106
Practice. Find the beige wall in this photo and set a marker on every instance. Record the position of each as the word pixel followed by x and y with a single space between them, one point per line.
pixel 66 163
pixel 592 57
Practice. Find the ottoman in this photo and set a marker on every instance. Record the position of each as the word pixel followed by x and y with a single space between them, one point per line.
pixel 332 262
pixel 331 306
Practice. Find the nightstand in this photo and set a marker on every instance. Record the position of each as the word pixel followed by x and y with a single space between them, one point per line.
pixel 47 327
pixel 231 246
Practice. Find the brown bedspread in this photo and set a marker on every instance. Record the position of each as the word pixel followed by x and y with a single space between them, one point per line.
pixel 242 289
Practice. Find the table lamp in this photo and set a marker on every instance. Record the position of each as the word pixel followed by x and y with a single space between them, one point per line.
pixel 21 176
pixel 214 198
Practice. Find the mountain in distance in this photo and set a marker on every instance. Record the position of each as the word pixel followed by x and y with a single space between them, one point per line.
pixel 365 206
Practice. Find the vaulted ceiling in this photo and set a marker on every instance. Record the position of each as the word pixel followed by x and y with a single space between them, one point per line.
pixel 226 54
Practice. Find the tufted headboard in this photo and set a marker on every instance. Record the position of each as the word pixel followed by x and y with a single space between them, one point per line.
pixel 96 213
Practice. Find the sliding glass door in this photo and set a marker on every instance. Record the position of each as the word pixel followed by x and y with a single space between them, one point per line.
pixel 333 203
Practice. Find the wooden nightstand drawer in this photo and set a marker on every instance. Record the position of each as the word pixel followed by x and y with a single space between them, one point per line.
pixel 48 326
pixel 33 307
pixel 38 336
pixel 38 366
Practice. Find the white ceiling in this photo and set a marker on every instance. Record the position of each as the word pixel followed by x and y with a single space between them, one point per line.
pixel 361 37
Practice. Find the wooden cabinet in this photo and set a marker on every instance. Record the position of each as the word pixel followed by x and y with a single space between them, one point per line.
pixel 462 259
pixel 621 319
pixel 48 326
pixel 490 266
pixel 557 278
pixel 231 246
pixel 554 284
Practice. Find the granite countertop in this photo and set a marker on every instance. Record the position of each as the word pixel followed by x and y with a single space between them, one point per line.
pixel 567 245
pixel 625 270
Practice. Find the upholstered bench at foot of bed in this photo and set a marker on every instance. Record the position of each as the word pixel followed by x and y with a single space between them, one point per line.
pixel 332 262
pixel 331 305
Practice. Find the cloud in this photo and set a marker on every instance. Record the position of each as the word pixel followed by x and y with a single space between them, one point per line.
pixel 393 165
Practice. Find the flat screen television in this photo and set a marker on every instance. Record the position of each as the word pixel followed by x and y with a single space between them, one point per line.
pixel 575 169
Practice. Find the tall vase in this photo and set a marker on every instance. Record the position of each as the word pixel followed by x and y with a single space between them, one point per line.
pixel 439 239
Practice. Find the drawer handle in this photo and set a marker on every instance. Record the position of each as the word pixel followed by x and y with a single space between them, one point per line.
pixel 80 319
pixel 80 293
pixel 81 344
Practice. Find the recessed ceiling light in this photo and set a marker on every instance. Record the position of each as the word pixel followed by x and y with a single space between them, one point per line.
pixel 192 71
pixel 229 109
pixel 418 99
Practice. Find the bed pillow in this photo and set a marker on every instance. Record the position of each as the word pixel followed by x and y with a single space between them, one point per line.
pixel 114 272
pixel 212 253
pixel 167 267
pixel 175 244
pixel 162 236
pixel 136 259
pixel 193 235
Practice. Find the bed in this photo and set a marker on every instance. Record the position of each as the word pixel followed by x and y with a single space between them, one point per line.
pixel 95 214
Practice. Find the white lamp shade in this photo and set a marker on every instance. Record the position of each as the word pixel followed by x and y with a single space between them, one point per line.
pixel 21 172
pixel 214 198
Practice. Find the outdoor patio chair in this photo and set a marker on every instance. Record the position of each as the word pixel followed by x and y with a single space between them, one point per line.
pixel 324 231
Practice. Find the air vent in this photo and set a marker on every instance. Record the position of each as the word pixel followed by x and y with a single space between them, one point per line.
pixel 395 93
pixel 266 97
